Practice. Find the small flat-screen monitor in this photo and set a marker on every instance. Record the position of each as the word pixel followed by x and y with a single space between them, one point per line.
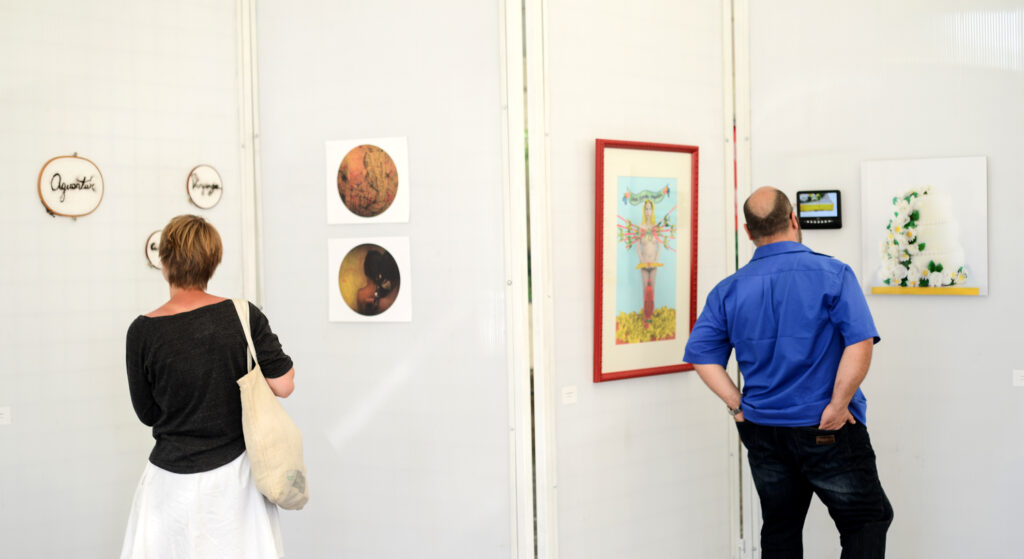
pixel 819 209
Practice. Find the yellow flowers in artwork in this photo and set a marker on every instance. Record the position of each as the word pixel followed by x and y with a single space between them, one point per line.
pixel 629 327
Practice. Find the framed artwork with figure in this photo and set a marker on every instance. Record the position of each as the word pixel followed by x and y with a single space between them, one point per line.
pixel 645 258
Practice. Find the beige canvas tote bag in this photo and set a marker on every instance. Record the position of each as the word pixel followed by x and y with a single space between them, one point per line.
pixel 272 439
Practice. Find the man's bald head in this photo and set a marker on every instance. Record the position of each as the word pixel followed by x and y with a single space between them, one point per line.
pixel 767 212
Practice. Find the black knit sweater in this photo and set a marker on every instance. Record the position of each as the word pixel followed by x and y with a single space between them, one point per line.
pixel 182 373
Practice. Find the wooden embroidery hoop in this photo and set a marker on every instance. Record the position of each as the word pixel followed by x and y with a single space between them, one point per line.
pixel 194 198
pixel 149 258
pixel 39 186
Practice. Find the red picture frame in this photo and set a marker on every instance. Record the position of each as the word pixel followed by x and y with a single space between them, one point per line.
pixel 645 227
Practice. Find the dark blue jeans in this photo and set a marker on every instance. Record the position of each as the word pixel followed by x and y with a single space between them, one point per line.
pixel 789 464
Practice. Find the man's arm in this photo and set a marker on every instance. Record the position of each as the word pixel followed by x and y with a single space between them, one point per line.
pixel 717 379
pixel 853 367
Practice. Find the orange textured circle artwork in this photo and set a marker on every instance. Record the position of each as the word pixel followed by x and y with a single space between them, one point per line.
pixel 367 180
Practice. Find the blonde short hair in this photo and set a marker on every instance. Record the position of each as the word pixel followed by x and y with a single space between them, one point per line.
pixel 645 220
pixel 190 250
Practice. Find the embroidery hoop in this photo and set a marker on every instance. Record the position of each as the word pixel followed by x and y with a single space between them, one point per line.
pixel 153 255
pixel 204 173
pixel 43 198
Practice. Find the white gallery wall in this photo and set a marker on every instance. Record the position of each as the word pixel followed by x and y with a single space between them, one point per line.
pixel 833 85
pixel 146 90
pixel 406 425
pixel 642 465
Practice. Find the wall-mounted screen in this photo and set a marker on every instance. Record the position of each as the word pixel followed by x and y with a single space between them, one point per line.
pixel 819 209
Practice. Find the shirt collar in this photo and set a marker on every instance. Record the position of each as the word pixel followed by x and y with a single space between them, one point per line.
pixel 780 247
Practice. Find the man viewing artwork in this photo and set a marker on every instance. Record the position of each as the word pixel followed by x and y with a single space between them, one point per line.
pixel 803 337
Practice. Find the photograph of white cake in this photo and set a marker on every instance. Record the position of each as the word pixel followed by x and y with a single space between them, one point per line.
pixel 925 224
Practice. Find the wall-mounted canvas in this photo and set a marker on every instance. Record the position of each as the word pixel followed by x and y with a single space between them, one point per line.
pixel 925 226
pixel 369 280
pixel 367 181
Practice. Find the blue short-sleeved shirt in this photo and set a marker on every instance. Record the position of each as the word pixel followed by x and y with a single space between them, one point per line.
pixel 789 314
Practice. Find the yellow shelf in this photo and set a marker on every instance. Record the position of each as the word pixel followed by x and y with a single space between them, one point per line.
pixel 925 290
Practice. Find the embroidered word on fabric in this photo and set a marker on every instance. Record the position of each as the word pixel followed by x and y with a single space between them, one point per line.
pixel 70 186
pixel 204 186
pixel 153 249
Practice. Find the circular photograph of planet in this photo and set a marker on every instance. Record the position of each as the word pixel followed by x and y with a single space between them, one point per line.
pixel 368 279
pixel 367 180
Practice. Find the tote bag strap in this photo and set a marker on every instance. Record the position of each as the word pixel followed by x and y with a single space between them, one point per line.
pixel 242 308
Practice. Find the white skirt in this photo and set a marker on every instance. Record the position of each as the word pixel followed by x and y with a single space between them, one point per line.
pixel 217 514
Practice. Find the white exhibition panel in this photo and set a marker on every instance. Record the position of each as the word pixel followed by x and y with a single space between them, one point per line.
pixel 642 464
pixel 146 90
pixel 836 84
pixel 406 425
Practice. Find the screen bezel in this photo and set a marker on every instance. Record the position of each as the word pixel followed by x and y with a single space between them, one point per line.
pixel 835 222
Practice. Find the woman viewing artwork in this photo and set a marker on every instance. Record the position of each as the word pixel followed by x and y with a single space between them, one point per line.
pixel 196 497
pixel 648 237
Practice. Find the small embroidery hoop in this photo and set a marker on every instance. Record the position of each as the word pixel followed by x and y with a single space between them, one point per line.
pixel 195 198
pixel 42 199
pixel 153 263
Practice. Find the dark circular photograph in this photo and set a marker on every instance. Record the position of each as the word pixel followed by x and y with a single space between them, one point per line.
pixel 367 180
pixel 368 279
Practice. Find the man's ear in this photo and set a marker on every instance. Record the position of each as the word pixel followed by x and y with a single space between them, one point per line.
pixel 747 229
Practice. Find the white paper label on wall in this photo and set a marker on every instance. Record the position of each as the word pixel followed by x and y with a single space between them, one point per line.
pixel 153 249
pixel 5 415
pixel 70 186
pixel 568 395
pixel 204 186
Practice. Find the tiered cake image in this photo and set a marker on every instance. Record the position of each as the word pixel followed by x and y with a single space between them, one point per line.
pixel 922 245
pixel 924 225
